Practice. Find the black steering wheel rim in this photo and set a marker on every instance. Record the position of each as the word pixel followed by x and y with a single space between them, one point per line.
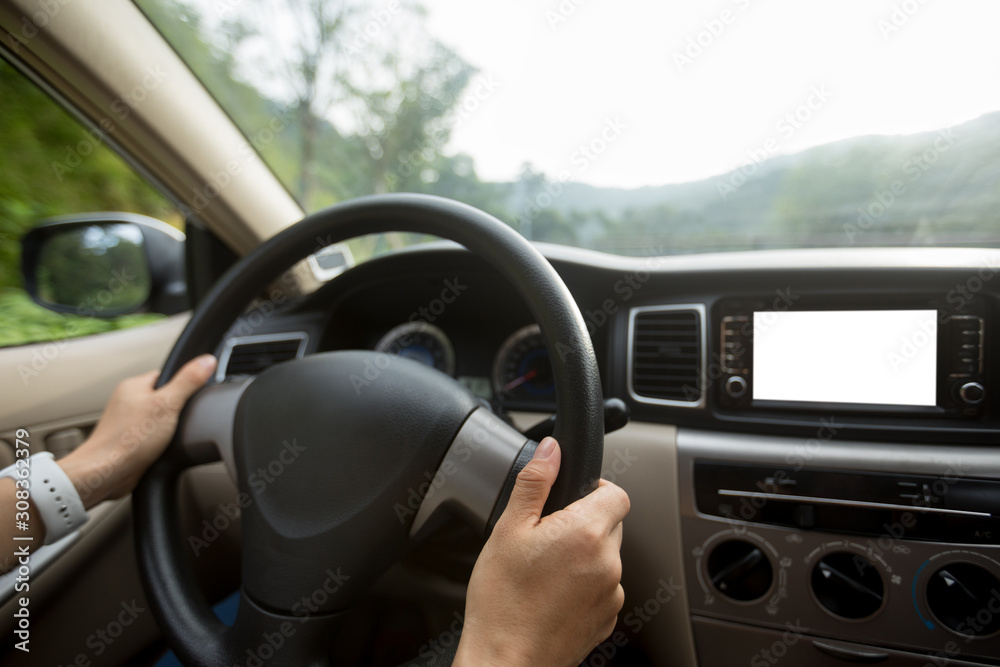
pixel 184 616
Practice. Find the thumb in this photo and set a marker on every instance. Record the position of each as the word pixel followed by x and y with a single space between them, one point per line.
pixel 190 378
pixel 531 489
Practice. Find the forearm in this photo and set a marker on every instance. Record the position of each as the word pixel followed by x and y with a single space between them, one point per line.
pixel 132 433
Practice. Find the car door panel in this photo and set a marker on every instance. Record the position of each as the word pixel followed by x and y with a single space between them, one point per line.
pixel 65 384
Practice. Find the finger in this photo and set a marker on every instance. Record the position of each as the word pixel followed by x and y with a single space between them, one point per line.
pixel 617 533
pixel 147 379
pixel 189 379
pixel 144 382
pixel 615 603
pixel 531 489
pixel 607 503
pixel 619 599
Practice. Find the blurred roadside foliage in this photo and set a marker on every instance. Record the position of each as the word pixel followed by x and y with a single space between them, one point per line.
pixel 53 166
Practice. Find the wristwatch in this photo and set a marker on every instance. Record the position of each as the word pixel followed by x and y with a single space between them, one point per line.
pixel 52 493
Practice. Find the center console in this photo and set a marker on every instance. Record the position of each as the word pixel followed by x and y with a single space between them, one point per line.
pixel 810 548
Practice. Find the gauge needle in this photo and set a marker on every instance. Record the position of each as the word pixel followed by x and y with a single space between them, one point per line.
pixel 514 384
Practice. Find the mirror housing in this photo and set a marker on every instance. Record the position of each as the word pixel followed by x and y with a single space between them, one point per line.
pixel 105 265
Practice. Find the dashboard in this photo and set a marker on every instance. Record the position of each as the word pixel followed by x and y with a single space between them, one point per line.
pixel 462 321
pixel 830 417
pixel 776 342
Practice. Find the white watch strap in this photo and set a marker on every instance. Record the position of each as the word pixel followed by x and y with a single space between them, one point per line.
pixel 55 498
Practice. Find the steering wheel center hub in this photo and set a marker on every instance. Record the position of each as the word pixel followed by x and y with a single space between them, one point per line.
pixel 324 450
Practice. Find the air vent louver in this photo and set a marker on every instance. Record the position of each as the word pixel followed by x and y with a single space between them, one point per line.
pixel 667 355
pixel 250 355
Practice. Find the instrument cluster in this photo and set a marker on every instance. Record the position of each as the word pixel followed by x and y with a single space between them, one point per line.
pixel 519 374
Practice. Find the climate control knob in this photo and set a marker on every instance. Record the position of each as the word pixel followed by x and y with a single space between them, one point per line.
pixel 961 596
pixel 740 570
pixel 848 585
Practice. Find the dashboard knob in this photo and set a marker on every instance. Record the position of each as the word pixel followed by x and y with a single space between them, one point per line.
pixel 960 595
pixel 736 386
pixel 740 570
pixel 848 585
pixel 972 393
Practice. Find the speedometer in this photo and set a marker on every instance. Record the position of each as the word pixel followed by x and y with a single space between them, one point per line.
pixel 522 370
pixel 421 342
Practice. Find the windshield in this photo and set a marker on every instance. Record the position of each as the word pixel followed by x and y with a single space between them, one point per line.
pixel 635 126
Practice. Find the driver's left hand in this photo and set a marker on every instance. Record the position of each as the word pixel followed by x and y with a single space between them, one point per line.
pixel 135 428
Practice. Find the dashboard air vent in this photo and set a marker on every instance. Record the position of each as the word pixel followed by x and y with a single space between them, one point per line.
pixel 249 355
pixel 667 355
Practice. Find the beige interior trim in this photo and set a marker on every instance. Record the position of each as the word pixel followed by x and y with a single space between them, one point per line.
pixel 104 517
pixel 73 379
pixel 99 54
pixel 642 459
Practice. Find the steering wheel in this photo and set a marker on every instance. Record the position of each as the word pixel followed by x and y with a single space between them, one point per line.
pixel 344 455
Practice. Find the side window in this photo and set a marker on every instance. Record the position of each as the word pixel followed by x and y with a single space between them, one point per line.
pixel 50 165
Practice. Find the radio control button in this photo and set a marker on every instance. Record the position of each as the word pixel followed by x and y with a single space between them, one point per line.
pixel 972 393
pixel 805 516
pixel 908 490
pixel 736 386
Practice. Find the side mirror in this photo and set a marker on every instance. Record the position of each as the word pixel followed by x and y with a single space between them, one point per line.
pixel 105 265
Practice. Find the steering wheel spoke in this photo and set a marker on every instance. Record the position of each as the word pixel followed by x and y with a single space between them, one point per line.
pixel 477 468
pixel 205 432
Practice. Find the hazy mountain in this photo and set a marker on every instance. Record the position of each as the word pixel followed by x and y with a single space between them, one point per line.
pixel 919 189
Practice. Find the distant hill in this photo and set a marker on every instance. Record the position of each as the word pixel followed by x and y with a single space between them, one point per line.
pixel 939 188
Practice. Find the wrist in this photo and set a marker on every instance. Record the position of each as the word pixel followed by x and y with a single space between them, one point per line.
pixel 54 497
pixel 475 651
pixel 83 473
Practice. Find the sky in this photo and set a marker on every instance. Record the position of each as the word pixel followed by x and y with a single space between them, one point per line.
pixel 667 92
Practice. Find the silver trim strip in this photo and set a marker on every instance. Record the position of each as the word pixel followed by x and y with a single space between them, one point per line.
pixel 227 348
pixel 825 451
pixel 406 328
pixel 207 429
pixel 848 503
pixel 42 556
pixel 324 275
pixel 473 471
pixel 703 360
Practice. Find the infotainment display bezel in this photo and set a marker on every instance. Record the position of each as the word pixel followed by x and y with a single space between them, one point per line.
pixel 734 376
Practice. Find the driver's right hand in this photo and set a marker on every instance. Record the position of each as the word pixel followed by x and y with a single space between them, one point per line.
pixel 546 590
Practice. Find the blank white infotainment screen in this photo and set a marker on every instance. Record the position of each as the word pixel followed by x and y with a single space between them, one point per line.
pixel 881 357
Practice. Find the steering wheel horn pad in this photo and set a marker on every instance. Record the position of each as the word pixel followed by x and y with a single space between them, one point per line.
pixel 326 461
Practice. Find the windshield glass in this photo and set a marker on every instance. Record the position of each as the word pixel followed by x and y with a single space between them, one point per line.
pixel 634 126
